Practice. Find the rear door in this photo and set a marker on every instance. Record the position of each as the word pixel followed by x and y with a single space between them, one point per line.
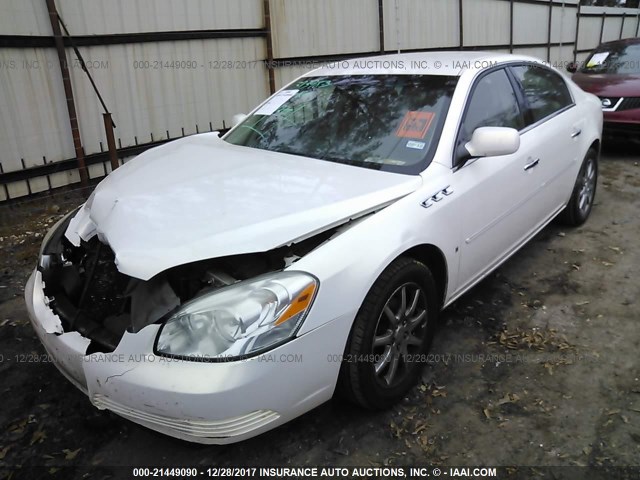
pixel 552 133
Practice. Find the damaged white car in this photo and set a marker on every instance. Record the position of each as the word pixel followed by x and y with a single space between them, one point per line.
pixel 215 288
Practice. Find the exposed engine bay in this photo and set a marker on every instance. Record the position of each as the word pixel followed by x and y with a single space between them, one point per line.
pixel 85 289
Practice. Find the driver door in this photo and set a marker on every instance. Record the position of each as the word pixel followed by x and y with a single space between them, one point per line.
pixel 497 213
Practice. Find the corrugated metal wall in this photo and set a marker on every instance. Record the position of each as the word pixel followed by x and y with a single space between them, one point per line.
pixel 311 27
pixel 153 102
pixel 409 25
pixel 159 87
pixel 96 17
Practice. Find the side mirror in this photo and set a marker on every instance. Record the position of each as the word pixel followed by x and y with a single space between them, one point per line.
pixel 237 118
pixel 572 67
pixel 493 142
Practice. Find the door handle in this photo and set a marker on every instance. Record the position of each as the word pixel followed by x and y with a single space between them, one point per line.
pixel 577 133
pixel 531 164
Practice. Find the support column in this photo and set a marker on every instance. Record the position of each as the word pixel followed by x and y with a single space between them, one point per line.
pixel 68 91
pixel 270 65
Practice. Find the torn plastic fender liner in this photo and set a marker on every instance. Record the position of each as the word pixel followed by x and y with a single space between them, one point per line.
pixel 68 349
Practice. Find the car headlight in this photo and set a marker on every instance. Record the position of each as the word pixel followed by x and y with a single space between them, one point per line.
pixel 52 238
pixel 240 320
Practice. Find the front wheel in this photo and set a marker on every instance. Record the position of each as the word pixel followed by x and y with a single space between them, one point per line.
pixel 584 191
pixel 390 336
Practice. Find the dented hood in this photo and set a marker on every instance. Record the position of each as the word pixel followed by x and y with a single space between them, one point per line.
pixel 200 197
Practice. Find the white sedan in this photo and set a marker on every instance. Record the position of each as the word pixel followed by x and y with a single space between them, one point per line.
pixel 215 288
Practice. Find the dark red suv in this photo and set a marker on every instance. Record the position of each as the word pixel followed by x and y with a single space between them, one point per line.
pixel 612 72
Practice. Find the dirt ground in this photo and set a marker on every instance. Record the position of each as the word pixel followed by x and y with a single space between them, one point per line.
pixel 538 365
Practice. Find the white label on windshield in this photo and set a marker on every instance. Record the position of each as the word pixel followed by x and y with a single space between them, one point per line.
pixel 598 59
pixel 276 102
pixel 416 145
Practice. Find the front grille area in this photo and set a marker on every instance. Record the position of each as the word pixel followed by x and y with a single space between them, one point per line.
pixel 88 293
pixel 629 103
pixel 614 101
pixel 198 428
pixel 105 288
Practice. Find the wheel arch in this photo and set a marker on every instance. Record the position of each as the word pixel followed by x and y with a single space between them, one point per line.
pixel 434 258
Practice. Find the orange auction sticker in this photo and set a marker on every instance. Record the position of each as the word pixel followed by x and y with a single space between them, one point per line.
pixel 415 125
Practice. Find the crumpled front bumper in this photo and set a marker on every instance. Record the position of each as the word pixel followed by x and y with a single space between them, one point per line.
pixel 202 402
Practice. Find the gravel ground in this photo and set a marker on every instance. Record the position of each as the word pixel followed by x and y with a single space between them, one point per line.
pixel 538 365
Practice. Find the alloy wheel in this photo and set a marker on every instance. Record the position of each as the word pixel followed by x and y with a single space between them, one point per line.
pixel 399 333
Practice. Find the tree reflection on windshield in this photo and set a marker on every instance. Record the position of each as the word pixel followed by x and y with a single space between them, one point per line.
pixel 385 122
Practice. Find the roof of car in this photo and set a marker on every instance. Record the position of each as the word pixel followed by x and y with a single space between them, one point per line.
pixel 450 63
pixel 626 41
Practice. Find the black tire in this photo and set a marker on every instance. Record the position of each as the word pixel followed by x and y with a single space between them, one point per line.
pixel 584 191
pixel 407 340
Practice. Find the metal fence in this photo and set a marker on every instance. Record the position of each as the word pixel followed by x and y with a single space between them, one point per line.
pixel 169 68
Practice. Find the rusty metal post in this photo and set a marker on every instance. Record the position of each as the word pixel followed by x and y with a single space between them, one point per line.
pixel 267 25
pixel 111 140
pixel 66 82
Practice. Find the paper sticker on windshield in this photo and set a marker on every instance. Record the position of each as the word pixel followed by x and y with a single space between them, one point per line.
pixel 416 145
pixel 276 102
pixel 598 59
pixel 415 125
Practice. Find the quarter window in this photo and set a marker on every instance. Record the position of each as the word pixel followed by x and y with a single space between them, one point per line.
pixel 545 91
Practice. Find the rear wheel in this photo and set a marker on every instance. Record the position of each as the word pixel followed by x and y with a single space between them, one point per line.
pixel 584 191
pixel 391 333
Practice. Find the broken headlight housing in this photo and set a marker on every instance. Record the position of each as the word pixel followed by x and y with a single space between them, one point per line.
pixel 240 320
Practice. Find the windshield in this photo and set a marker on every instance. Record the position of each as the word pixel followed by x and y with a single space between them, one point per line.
pixel 385 122
pixel 620 59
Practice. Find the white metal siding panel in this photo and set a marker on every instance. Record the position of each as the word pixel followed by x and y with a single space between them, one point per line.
pixel 563 22
pixel 561 56
pixel 33 114
pixel 156 98
pixel 421 24
pixel 61 179
pixel 612 29
pixel 38 184
pixel 540 53
pixel 17 189
pixel 589 34
pixel 309 27
pixel 581 57
pixel 630 26
pixel 285 75
pixel 486 22
pixel 530 23
pixel 96 17
pixel 24 17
